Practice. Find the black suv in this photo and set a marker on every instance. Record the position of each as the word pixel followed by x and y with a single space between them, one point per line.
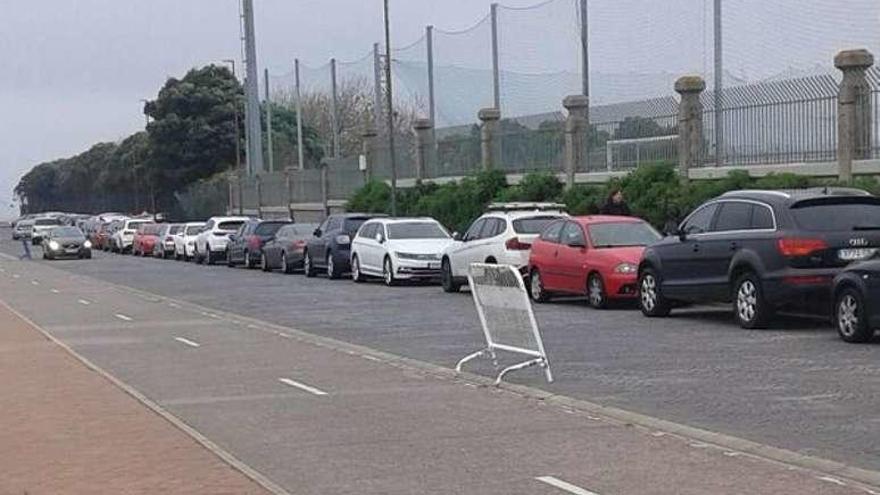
pixel 857 301
pixel 762 250
pixel 330 245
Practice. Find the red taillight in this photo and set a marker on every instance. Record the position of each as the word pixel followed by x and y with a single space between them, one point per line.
pixel 793 247
pixel 300 244
pixel 514 244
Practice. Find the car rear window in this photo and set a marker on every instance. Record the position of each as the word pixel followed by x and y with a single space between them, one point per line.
pixel 193 229
pixel 47 221
pixel 353 223
pixel 230 226
pixel 67 232
pixel 533 225
pixel 619 234
pixel 269 228
pixel 838 214
pixel 175 229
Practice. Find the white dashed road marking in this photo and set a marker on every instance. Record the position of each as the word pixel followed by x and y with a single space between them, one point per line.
pixel 187 342
pixel 562 485
pixel 8 257
pixel 84 302
pixel 302 386
pixel 15 275
pixel 123 317
pixel 54 291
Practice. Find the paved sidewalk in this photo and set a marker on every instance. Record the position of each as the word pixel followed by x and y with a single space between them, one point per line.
pixel 66 429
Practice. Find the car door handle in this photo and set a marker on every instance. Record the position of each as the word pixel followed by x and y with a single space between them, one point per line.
pixel 696 248
pixel 734 246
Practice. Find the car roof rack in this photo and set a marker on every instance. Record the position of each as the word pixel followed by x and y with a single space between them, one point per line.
pixel 526 206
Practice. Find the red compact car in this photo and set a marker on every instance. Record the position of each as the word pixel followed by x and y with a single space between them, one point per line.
pixel 145 238
pixel 597 256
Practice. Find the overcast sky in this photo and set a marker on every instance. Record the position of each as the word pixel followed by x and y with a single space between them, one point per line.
pixel 75 70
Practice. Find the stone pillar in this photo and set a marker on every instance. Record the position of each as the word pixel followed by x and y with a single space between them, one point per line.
pixel 231 178
pixel 288 179
pixel 853 110
pixel 690 123
pixel 575 135
pixel 325 189
pixel 423 128
pixel 489 118
pixel 368 147
pixel 259 183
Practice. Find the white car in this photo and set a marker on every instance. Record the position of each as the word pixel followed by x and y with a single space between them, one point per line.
pixel 502 235
pixel 185 240
pixel 23 229
pixel 123 238
pixel 211 241
pixel 397 249
pixel 41 228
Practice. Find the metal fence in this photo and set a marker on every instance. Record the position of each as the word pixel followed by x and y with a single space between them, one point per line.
pixel 624 136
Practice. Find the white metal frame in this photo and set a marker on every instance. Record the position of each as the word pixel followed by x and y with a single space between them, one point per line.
pixel 538 356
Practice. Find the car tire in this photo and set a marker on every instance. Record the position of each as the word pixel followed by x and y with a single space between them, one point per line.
pixel 536 287
pixel 286 267
pixel 88 256
pixel 850 316
pixel 651 300
pixel 264 262
pixel 208 258
pixel 447 280
pixel 356 275
pixel 388 273
pixel 333 271
pixel 596 295
pixel 229 261
pixel 308 266
pixel 749 306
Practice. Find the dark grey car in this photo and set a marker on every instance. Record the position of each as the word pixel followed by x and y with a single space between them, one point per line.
pixel 329 247
pixel 285 250
pixel 66 242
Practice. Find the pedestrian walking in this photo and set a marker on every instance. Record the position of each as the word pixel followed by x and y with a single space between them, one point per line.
pixel 615 204
pixel 26 249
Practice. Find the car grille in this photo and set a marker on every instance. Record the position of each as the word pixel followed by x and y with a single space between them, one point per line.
pixel 71 245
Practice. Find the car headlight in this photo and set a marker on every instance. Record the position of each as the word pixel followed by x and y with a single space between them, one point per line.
pixel 626 268
pixel 343 239
pixel 53 245
pixel 87 244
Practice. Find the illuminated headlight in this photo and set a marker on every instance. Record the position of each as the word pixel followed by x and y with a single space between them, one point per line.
pixel 87 244
pixel 54 246
pixel 626 268
pixel 342 239
pixel 417 256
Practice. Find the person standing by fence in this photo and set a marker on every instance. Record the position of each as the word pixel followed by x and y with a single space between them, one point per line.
pixel 615 204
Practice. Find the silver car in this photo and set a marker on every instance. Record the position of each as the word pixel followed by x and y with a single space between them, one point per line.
pixel 69 242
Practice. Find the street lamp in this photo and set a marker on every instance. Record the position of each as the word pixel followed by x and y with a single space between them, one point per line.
pixel 389 111
pixel 237 141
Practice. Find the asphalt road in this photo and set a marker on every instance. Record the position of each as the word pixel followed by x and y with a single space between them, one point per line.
pixel 796 386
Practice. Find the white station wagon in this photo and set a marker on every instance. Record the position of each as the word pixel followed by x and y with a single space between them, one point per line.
pixel 398 248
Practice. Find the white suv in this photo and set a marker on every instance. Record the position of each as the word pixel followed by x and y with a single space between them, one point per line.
pixel 503 235
pixel 398 248
pixel 124 237
pixel 185 240
pixel 211 241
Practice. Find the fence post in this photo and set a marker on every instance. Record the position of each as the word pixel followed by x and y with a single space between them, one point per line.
pixel 288 179
pixel 489 118
pixel 853 110
pixel 368 143
pixel 325 186
pixel 423 129
pixel 259 180
pixel 690 123
pixel 575 135
pixel 229 178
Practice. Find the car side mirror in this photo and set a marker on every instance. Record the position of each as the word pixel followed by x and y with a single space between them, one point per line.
pixel 380 238
pixel 682 234
pixel 317 233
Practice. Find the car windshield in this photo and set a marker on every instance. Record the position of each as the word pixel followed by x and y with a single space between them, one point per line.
pixel 354 223
pixel 269 228
pixel 838 214
pixel 230 226
pixel 533 225
pixel 47 221
pixel 619 234
pixel 66 232
pixel 416 230
pixel 193 229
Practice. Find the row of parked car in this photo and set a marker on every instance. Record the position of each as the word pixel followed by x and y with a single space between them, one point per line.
pixel 760 251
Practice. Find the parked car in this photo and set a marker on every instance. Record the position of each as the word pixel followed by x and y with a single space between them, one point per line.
pixel 503 235
pixel 246 245
pixel 285 250
pixel 329 246
pixel 212 239
pixel 398 249
pixel 856 311
pixel 145 238
pixel 185 240
pixel 41 227
pixel 164 246
pixel 123 237
pixel 762 251
pixel 60 242
pixel 23 229
pixel 597 256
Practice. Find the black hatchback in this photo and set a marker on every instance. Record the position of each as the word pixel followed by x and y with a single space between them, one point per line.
pixel 329 248
pixel 857 301
pixel 762 251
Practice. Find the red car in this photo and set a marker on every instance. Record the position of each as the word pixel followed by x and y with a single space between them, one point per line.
pixel 145 238
pixel 596 256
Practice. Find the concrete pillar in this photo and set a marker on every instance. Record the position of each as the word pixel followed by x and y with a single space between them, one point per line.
pixel 288 179
pixel 690 123
pixel 231 179
pixel 368 147
pixel 853 110
pixel 489 118
pixel 325 189
pixel 423 128
pixel 259 181
pixel 575 135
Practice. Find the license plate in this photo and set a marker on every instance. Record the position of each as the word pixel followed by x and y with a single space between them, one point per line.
pixel 434 266
pixel 71 251
pixel 856 254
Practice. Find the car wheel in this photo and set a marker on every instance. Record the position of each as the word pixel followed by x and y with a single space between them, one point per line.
pixel 596 295
pixel 286 267
pixel 651 300
pixel 388 273
pixel 332 270
pixel 209 255
pixel 536 287
pixel 852 324
pixel 356 274
pixel 264 263
pixel 308 266
pixel 229 261
pixel 447 280
pixel 749 307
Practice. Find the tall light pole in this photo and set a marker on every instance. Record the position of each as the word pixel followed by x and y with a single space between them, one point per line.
pixel 139 158
pixel 390 113
pixel 237 139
